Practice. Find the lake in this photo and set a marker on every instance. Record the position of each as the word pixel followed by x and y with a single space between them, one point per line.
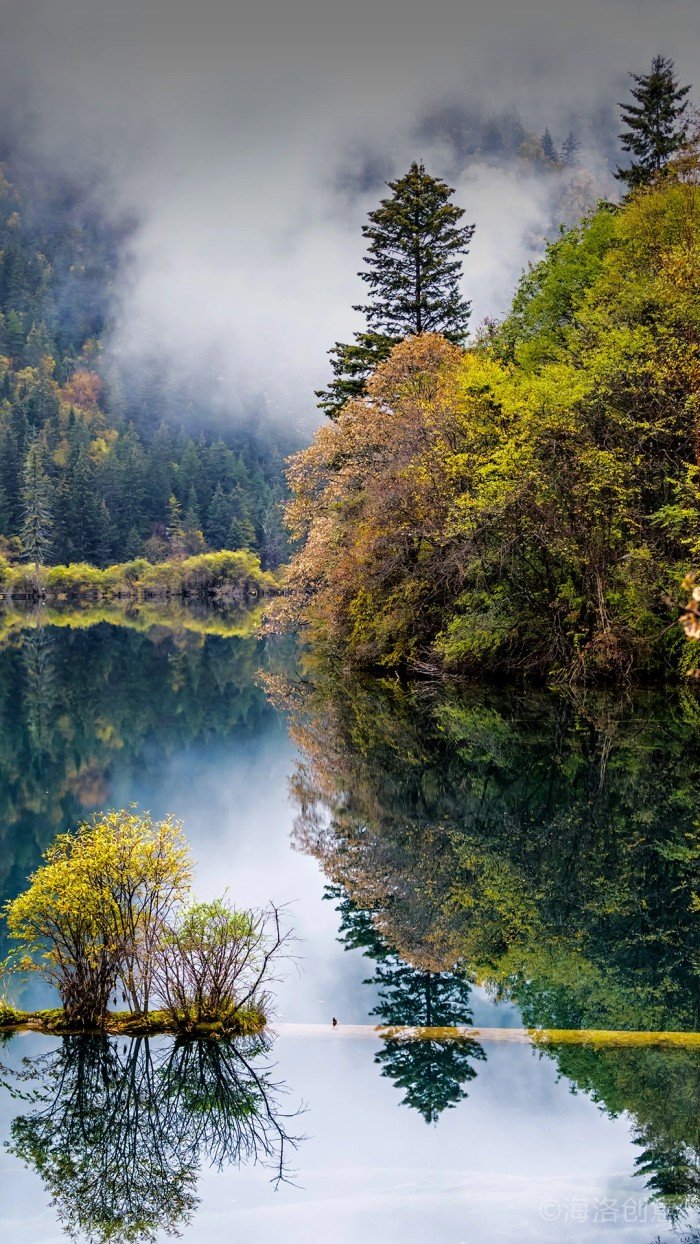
pixel 488 859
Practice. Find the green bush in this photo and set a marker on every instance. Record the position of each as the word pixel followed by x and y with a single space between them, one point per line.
pixel 223 575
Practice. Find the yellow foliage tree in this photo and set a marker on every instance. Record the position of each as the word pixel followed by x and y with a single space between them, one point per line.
pixel 94 911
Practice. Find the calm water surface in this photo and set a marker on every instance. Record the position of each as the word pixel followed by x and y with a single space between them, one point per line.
pixel 546 847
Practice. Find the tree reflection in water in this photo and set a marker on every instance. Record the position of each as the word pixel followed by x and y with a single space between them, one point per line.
pixel 544 845
pixel 119 1130
pixel 431 1074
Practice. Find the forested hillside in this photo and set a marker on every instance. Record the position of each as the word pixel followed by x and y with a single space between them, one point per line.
pixel 90 468
pixel 529 503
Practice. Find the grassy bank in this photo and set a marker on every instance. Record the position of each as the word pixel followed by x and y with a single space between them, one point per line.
pixel 226 576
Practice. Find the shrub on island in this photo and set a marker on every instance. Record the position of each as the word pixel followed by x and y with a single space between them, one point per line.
pixel 107 916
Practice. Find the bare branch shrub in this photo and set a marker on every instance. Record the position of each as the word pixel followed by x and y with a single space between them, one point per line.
pixel 214 961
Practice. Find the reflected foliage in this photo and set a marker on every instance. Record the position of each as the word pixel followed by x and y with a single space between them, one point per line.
pixel 660 1090
pixel 430 1074
pixel 82 709
pixel 544 845
pixel 548 844
pixel 118 1131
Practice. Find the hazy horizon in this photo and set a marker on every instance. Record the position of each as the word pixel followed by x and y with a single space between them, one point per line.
pixel 250 141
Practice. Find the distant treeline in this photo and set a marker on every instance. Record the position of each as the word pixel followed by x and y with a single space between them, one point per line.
pixel 223 576
pixel 109 477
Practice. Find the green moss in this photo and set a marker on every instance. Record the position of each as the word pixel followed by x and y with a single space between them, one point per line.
pixel 247 1022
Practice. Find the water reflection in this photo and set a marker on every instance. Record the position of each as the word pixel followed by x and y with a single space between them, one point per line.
pixel 119 1131
pixel 547 847
pixel 431 1074
pixel 543 846
pixel 77 703
pixel 660 1091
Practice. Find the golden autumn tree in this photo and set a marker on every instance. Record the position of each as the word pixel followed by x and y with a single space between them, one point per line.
pixel 94 910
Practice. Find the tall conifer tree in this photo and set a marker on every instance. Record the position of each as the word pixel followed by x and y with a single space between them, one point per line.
pixel 548 149
pixel 654 125
pixel 569 150
pixel 37 510
pixel 413 269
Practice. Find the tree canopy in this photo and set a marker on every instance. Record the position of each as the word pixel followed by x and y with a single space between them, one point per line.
pixel 413 270
pixel 529 504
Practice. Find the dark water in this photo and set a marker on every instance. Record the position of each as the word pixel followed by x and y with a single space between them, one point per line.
pixel 500 859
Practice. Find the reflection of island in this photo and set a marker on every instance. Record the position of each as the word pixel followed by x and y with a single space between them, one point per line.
pixel 544 847
pixel 119 1131
pixel 75 702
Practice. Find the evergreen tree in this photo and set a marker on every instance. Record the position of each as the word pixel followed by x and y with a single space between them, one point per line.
pixel 413 270
pixel 569 150
pixel 192 520
pixel 39 344
pixel 548 149
pixel 37 509
pixel 241 532
pixel 654 125
pixel 133 546
pixel 175 527
pixel 15 335
pixel 85 519
pixel 218 519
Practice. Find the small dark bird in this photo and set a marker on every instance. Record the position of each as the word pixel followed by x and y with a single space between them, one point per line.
pixel 335 1022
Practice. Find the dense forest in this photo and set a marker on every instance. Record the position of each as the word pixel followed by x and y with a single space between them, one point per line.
pixel 94 464
pixel 528 503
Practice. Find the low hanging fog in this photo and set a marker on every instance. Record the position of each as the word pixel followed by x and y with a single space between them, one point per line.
pixel 249 140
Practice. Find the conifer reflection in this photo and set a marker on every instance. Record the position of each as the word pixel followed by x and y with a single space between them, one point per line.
pixel 548 847
pixel 431 1074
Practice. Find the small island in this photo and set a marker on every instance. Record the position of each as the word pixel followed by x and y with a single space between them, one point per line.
pixel 107 918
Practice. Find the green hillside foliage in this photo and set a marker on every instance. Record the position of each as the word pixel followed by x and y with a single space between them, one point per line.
pixel 529 505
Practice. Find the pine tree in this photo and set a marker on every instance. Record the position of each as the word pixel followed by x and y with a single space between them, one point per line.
pixel 15 335
pixel 192 520
pixel 133 546
pixel 174 526
pixel 39 344
pixel 218 519
pixel 241 531
pixel 569 150
pixel 37 510
pixel 85 518
pixel 655 128
pixel 413 270
pixel 548 149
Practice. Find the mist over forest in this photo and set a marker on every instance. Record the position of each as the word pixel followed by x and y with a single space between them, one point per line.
pixel 246 164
